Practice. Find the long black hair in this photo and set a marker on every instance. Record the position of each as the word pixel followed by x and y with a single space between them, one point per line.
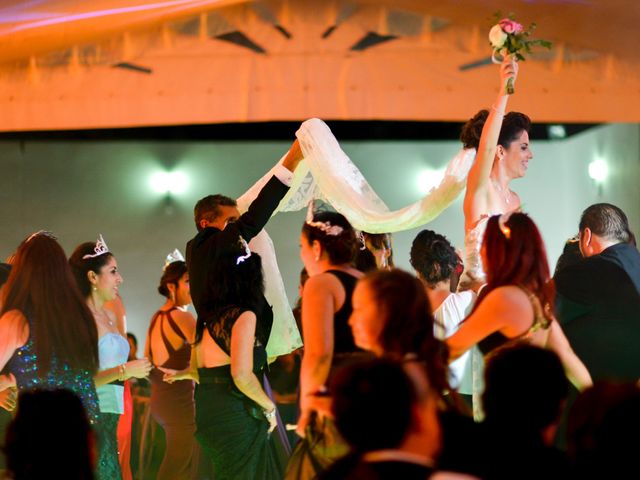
pixel 232 281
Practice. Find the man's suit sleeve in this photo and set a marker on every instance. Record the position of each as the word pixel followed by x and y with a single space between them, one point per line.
pixel 256 217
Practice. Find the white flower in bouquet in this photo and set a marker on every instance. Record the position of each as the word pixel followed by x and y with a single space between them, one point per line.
pixel 497 37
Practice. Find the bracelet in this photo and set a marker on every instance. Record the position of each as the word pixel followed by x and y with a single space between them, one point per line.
pixel 122 370
pixel 269 414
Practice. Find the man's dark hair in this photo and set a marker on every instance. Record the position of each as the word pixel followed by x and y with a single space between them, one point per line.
pixel 607 221
pixel 372 403
pixel 525 388
pixel 49 436
pixel 208 208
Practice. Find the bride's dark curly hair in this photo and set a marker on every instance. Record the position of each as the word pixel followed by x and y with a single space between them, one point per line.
pixel 233 283
pixel 513 124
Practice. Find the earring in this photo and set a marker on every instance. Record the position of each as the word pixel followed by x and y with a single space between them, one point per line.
pixel 95 289
pixel 317 258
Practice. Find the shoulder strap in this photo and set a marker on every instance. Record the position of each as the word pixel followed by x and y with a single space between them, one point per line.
pixel 542 318
pixel 174 326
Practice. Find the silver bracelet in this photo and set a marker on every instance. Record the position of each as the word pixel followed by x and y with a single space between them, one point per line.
pixel 269 415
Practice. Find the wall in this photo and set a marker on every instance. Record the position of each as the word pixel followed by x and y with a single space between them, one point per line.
pixel 79 189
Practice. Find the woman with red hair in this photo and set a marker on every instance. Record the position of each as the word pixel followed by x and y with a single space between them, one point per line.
pixel 516 304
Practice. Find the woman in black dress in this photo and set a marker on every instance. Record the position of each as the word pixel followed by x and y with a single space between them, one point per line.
pixel 168 345
pixel 234 415
pixel 327 248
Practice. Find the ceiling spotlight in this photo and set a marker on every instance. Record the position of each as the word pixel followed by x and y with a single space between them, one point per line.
pixel 598 170
pixel 169 183
pixel 556 132
pixel 429 178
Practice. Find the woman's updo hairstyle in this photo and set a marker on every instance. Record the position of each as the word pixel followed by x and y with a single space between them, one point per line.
pixel 471 131
pixel 513 124
pixel 81 266
pixel 341 248
pixel 433 257
pixel 171 276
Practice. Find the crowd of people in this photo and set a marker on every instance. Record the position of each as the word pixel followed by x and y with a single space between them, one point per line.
pixel 460 369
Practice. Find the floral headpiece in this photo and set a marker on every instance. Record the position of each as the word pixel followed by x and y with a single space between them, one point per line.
pixel 247 251
pixel 100 249
pixel 326 227
pixel 174 256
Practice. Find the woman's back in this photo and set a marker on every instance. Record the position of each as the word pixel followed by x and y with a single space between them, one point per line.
pixel 168 344
pixel 31 375
pixel 519 318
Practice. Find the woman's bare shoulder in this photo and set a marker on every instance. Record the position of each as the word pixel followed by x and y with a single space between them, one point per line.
pixel 509 296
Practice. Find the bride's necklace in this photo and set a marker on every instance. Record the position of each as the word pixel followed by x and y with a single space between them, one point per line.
pixel 505 194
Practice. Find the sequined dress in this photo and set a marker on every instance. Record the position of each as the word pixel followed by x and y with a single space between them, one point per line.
pixel 25 367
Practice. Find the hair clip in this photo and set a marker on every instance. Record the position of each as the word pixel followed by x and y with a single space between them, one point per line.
pixel 326 227
pixel 174 256
pixel 100 249
pixel 502 224
pixel 247 251
pixel 45 233
pixel 363 243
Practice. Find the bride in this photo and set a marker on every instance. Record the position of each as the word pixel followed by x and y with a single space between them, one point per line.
pixel 503 155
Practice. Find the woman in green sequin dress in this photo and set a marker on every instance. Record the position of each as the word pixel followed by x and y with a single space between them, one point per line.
pixel 48 339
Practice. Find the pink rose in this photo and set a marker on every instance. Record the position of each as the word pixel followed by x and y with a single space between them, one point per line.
pixel 511 27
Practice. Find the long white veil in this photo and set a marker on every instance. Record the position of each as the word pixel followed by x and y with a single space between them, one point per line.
pixel 328 174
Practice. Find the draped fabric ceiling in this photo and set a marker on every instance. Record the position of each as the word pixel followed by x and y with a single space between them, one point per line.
pixel 109 63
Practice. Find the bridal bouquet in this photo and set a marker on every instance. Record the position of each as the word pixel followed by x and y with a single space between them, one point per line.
pixel 509 37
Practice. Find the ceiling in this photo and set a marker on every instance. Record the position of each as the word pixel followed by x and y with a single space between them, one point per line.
pixel 67 65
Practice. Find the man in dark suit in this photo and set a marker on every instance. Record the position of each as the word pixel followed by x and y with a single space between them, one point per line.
pixel 220 225
pixel 598 297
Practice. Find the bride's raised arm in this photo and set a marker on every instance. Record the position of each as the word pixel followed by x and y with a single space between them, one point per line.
pixel 476 200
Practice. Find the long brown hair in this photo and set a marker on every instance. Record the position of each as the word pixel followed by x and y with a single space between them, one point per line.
pixel 408 329
pixel 41 286
pixel 515 255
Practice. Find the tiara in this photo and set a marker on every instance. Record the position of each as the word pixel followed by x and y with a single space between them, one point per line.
pixel 326 227
pixel 45 233
pixel 100 249
pixel 174 256
pixel 247 252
